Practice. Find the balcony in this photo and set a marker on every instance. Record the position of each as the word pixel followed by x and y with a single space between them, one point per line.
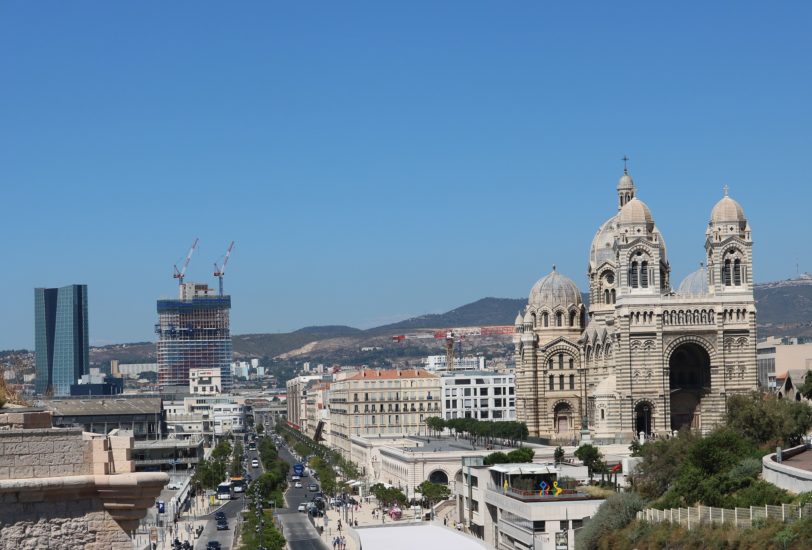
pixel 538 496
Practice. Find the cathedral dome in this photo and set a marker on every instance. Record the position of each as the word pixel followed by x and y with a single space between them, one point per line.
pixel 727 211
pixel 695 283
pixel 603 243
pixel 625 182
pixel 635 212
pixel 554 290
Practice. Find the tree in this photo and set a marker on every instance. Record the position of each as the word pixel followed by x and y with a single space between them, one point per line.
pixel 558 455
pixel 769 421
pixel 260 428
pixel 433 492
pixel 590 456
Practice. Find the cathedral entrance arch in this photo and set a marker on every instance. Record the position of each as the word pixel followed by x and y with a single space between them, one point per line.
pixel 643 418
pixel 689 381
pixel 563 418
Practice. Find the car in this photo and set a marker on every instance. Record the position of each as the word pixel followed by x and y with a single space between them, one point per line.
pixel 222 525
pixel 219 516
pixel 298 485
pixel 295 478
pixel 302 507
pixel 213 545
pixel 173 486
pixel 313 487
pixel 255 463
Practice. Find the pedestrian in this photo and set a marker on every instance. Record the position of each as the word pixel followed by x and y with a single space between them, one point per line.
pixel 335 543
pixel 445 522
pixel 343 543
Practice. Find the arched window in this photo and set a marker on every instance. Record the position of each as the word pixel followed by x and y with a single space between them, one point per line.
pixel 561 382
pixel 737 272
pixel 545 319
pixel 726 273
pixel 572 318
pixel 572 381
pixel 613 296
pixel 603 414
pixel 633 274
pixel 572 363
pixel 560 360
pixel 559 319
pixel 533 316
pixel 606 297
pixel 550 364
pixel 552 382
pixel 644 275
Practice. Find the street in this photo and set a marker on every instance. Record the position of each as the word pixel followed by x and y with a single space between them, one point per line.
pixel 299 532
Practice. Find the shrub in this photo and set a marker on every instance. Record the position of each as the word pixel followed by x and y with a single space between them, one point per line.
pixel 615 513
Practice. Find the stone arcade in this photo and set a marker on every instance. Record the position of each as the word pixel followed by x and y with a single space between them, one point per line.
pixel 646 358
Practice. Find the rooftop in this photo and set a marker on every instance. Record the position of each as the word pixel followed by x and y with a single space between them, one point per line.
pixel 103 406
pixel 391 374
pixel 409 537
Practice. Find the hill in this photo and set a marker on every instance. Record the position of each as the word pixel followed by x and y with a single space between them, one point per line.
pixel 784 309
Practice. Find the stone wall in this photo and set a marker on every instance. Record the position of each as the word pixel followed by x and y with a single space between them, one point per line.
pixel 61 488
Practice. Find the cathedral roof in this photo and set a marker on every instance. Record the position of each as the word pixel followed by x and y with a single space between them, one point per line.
pixel 635 211
pixel 625 182
pixel 607 386
pixel 554 290
pixel 728 211
pixel 602 244
pixel 695 283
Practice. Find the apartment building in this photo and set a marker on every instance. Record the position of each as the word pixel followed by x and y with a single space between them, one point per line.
pixel 482 395
pixel 381 402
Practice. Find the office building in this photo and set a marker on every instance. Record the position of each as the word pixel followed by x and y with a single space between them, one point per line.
pixel 435 363
pixel 193 332
pixel 481 395
pixel 61 339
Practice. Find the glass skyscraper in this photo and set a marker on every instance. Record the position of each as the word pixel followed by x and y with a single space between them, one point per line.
pixel 62 350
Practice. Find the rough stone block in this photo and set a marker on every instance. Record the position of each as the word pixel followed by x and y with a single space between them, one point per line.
pixel 121 442
pixel 101 468
pixel 22 472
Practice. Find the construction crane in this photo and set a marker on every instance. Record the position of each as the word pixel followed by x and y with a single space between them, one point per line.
pixel 220 271
pixel 179 274
pixel 456 335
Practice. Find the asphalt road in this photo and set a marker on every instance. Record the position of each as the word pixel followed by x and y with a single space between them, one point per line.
pixel 298 531
pixel 232 511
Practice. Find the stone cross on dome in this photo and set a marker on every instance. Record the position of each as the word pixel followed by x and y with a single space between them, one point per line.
pixel 726 189
pixel 625 159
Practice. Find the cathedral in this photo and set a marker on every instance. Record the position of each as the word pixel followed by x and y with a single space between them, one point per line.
pixel 644 358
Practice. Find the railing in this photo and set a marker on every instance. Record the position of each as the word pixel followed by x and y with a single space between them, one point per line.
pixel 738 517
pixel 537 495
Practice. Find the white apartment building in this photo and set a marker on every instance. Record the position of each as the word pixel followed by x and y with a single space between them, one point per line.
pixel 504 506
pixel 297 398
pixel 482 395
pixel 228 418
pixel 439 363
pixel 204 415
pixel 205 381
pixel 373 402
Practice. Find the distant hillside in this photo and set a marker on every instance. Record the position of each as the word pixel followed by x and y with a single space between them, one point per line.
pixel 784 309
pixel 487 311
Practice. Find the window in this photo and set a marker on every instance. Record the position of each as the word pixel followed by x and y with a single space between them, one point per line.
pixel 644 275
pixel 484 414
pixel 561 382
pixel 633 272
pixel 483 391
pixel 545 319
pixel 550 364
pixel 559 319
pixel 572 381
pixel 511 390
pixel 572 363
pixel 737 272
pixel 552 382
pixel 560 360
pixel 726 273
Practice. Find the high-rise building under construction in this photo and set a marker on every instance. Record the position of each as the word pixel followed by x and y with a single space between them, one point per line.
pixel 193 332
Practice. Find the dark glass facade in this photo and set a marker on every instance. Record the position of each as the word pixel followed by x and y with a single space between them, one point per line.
pixel 61 339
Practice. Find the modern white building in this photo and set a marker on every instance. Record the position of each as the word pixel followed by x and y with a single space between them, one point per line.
pixel 132 370
pixel 205 382
pixel 482 395
pixel 205 415
pixel 520 506
pixel 439 363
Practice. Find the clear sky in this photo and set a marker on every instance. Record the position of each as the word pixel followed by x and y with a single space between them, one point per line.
pixel 378 160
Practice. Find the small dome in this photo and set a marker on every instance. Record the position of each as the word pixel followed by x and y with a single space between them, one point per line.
pixel 695 283
pixel 635 212
pixel 554 290
pixel 728 211
pixel 603 243
pixel 519 319
pixel 625 182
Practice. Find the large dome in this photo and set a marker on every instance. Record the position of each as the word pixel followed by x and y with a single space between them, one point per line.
pixel 603 243
pixel 728 211
pixel 554 290
pixel 635 212
pixel 695 283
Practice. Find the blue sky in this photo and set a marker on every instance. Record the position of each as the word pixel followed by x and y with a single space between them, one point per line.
pixel 378 160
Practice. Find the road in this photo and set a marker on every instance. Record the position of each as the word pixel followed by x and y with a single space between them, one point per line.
pixel 298 531
pixel 232 511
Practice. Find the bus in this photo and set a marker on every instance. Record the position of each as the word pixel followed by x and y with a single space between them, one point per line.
pixel 238 484
pixel 225 491
pixel 298 469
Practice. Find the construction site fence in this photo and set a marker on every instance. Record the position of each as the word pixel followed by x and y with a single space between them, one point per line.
pixel 740 517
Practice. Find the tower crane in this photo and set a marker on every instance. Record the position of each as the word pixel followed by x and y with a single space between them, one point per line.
pixel 455 335
pixel 179 274
pixel 220 271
